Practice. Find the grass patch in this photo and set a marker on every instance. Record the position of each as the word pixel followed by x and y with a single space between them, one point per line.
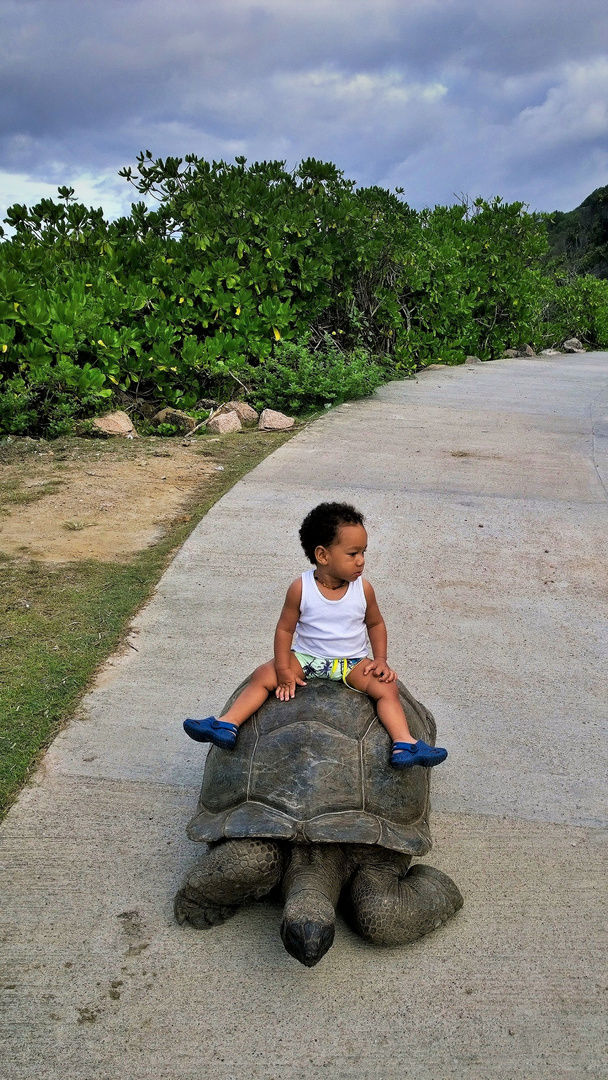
pixel 60 622
pixel 77 526
pixel 13 492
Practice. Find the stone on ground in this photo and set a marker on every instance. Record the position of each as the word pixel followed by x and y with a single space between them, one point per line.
pixel 270 420
pixel 224 423
pixel 115 423
pixel 246 414
pixel 181 419
pixel 573 345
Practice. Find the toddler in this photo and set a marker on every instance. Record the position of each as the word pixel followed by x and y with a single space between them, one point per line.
pixel 332 611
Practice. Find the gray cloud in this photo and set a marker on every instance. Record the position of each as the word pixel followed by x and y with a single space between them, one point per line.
pixel 440 96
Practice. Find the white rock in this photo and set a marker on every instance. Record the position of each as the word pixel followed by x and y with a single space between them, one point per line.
pixel 245 413
pixel 550 352
pixel 224 423
pixel 473 360
pixel 275 421
pixel 573 345
pixel 116 423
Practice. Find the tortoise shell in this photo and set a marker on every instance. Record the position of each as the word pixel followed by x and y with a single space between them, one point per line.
pixel 316 770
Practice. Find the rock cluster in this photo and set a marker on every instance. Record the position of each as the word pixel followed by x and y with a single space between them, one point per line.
pixel 524 350
pixel 236 414
pixel 232 416
pixel 572 345
pixel 245 413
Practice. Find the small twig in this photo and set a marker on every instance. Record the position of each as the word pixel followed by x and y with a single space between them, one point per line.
pixel 245 388
pixel 199 426
pixel 213 413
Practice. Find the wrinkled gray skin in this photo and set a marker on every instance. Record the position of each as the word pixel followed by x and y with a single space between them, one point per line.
pixel 308 801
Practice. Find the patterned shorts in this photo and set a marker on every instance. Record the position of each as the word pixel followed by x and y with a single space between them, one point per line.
pixel 318 667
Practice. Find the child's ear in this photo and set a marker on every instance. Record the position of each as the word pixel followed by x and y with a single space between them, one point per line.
pixel 321 555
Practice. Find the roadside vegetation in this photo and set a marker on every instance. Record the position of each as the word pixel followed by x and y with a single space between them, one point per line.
pixel 294 290
pixel 60 620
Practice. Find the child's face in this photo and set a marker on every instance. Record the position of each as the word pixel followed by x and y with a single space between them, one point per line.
pixel 345 558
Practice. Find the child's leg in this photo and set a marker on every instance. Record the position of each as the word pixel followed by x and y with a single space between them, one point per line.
pixel 406 750
pixel 388 705
pixel 262 683
pixel 223 732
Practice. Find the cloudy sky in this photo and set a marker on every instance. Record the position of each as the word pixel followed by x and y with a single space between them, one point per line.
pixel 440 97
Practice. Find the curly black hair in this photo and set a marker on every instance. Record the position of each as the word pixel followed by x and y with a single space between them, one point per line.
pixel 320 526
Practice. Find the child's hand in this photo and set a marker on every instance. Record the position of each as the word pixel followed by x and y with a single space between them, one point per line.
pixel 287 684
pixel 379 667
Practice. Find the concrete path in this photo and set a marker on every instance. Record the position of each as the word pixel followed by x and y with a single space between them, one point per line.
pixel 485 493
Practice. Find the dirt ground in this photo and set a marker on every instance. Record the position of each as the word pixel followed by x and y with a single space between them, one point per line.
pixel 96 499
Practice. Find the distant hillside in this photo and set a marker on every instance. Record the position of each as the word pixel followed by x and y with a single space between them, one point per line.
pixel 581 236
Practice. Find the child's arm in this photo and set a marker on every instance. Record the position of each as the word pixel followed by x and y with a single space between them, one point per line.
pixel 376 629
pixel 283 637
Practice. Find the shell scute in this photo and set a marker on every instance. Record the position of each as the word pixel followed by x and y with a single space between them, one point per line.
pixel 227 772
pixel 386 794
pixel 305 769
pixel 317 699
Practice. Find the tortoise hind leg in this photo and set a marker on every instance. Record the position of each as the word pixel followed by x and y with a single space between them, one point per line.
pixel 393 905
pixel 228 875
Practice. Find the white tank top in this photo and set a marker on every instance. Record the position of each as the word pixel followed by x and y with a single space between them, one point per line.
pixel 331 628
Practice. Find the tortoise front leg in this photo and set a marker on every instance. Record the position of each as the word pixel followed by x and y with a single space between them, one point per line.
pixel 393 905
pixel 228 875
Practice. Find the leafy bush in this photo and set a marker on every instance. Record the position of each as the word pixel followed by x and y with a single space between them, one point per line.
pixel 243 274
pixel 576 307
pixel 296 379
pixel 47 398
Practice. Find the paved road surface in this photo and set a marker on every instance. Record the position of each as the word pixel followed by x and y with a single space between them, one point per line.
pixel 485 490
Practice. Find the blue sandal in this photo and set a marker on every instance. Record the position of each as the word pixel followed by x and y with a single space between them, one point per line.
pixel 404 755
pixel 218 732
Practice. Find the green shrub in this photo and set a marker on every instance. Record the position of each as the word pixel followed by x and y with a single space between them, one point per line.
pixel 243 274
pixel 48 398
pixel 576 307
pixel 296 379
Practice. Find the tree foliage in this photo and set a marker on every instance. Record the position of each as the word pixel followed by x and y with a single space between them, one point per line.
pixel 296 286
pixel 579 238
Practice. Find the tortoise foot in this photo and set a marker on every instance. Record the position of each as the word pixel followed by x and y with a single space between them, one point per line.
pixel 391 905
pixel 189 909
pixel 228 875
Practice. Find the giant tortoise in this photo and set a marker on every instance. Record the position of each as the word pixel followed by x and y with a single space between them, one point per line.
pixel 307 800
